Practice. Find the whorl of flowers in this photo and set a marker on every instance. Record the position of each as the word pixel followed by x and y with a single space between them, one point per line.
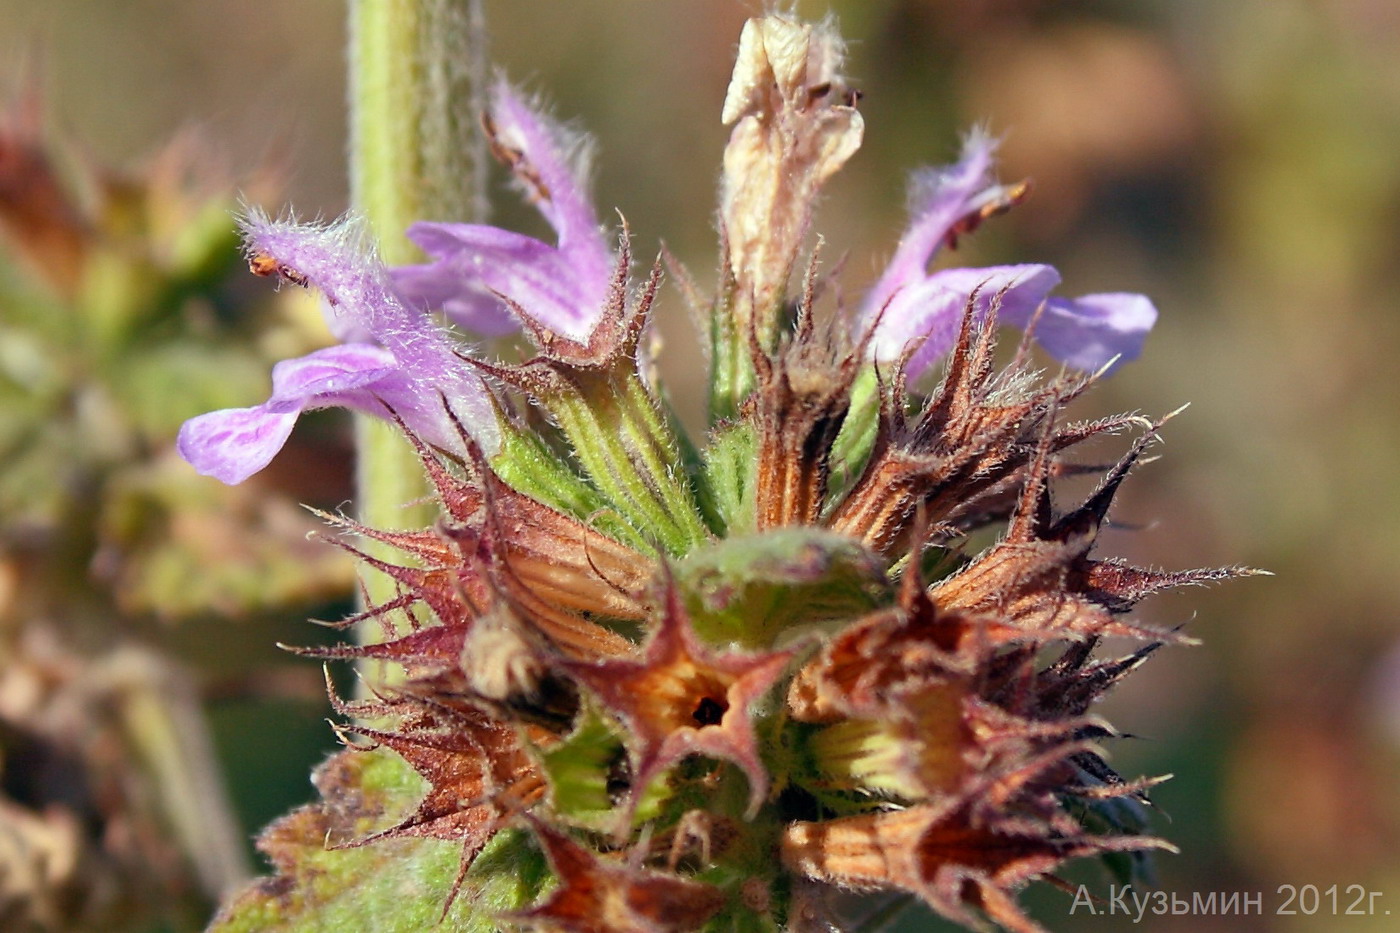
pixel 710 683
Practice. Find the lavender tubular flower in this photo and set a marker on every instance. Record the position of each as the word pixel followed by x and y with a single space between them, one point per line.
pixel 411 370
pixel 479 277
pixel 909 305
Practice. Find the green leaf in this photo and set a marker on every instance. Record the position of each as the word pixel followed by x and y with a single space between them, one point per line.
pixel 397 885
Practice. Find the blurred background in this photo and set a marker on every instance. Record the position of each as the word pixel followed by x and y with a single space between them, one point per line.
pixel 1235 161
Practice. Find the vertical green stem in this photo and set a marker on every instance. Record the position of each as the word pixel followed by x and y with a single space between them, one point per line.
pixel 416 70
pixel 731 369
pixel 857 438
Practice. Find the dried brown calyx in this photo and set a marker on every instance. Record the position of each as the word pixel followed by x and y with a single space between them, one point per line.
pixel 797 411
pixel 963 457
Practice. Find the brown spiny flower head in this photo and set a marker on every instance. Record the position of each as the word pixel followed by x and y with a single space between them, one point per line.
pixel 703 684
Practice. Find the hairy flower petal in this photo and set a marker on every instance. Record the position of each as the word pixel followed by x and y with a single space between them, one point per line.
pixel 938 198
pixel 563 287
pixel 1090 331
pixel 410 370
pixel 929 312
pixel 909 304
pixel 477 265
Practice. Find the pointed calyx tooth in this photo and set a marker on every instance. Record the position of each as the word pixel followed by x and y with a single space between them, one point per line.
pixel 955 855
pixel 878 658
pixel 508 581
pixel 795 125
pixel 682 698
pixel 537 554
pixel 614 337
pixel 583 365
pixel 590 367
pixel 615 423
pixel 489 578
pixel 966 454
pixel 476 767
pixel 1040 580
pixel 874 661
pixel 500 548
pixel 601 895
pixel 556 556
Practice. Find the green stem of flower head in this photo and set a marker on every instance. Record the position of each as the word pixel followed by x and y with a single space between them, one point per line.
pixel 857 437
pixel 731 369
pixel 416 69
pixel 627 448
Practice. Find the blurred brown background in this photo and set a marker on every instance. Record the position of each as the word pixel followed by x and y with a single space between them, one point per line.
pixel 1236 161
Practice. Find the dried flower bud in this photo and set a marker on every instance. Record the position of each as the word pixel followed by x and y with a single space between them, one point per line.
pixel 795 125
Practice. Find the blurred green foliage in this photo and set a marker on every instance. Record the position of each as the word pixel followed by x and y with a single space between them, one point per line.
pixel 120 318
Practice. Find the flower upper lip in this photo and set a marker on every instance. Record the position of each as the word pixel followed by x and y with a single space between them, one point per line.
pixel 474 266
pixel 909 305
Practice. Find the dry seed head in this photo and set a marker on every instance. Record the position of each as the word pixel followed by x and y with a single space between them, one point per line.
pixel 670 660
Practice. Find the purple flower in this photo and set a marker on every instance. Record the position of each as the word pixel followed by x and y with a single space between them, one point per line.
pixel 402 362
pixel 475 266
pixel 393 357
pixel 909 304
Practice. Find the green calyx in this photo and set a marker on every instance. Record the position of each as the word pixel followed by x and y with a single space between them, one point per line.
pixel 584 770
pixel 627 448
pixel 753 590
pixel 731 371
pixel 531 466
pixel 865 756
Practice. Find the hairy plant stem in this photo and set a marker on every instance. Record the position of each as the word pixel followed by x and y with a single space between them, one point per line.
pixel 417 70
